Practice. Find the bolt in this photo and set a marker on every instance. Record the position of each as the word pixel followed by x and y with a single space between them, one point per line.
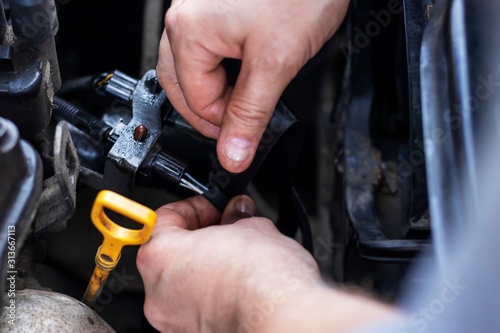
pixel 153 85
pixel 140 133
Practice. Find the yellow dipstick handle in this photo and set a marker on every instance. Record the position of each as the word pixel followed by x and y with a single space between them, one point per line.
pixel 115 236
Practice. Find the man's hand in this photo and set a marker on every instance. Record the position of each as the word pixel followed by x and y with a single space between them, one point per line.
pixel 237 273
pixel 274 39
pixel 201 277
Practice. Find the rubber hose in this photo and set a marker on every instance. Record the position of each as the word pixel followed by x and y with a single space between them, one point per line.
pixel 77 87
pixel 83 120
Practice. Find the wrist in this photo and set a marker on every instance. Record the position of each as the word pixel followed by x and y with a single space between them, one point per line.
pixel 263 298
pixel 314 308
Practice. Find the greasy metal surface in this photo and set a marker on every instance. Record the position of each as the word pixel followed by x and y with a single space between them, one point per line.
pixel 58 199
pixel 96 284
pixel 45 311
pixel 34 22
pixel 66 163
pixel 127 154
pixel 21 180
pixel 29 74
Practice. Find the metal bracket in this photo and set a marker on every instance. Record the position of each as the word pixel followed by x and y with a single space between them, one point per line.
pixel 127 154
pixel 62 186
pixel 66 163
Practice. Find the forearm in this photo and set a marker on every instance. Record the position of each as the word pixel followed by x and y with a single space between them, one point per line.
pixel 320 309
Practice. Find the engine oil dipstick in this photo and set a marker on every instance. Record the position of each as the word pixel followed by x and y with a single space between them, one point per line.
pixel 115 236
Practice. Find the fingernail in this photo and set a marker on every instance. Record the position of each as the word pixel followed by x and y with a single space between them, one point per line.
pixel 237 149
pixel 245 206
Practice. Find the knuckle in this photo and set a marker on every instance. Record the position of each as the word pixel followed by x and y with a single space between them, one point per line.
pixel 160 316
pixel 173 18
pixel 208 112
pixel 212 110
pixel 142 259
pixel 172 211
pixel 151 313
pixel 259 223
pixel 204 127
pixel 249 114
pixel 181 18
pixel 285 62
pixel 278 62
pixel 267 224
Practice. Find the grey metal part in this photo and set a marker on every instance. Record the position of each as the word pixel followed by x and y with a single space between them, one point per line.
pixel 127 155
pixel 29 78
pixel 29 70
pixel 66 163
pixel 121 86
pixel 46 311
pixel 58 199
pixel 34 21
pixel 21 179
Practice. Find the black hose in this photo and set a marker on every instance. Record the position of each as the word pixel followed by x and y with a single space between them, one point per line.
pixel 83 120
pixel 78 87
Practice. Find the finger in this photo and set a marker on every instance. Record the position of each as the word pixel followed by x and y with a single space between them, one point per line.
pixel 201 76
pixel 190 214
pixel 254 98
pixel 239 207
pixel 167 78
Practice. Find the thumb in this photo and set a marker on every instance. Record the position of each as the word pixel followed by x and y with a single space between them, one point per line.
pixel 239 207
pixel 249 110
